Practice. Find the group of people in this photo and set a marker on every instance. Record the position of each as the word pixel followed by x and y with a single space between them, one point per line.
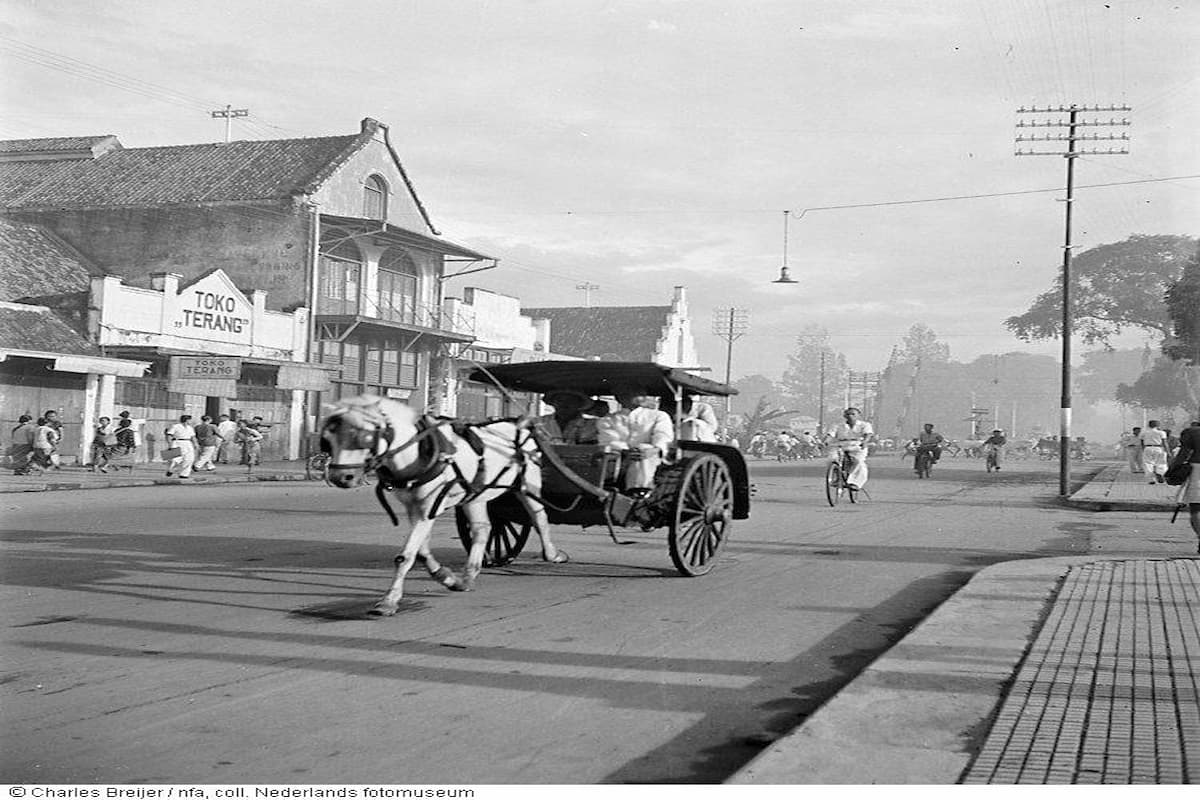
pixel 35 443
pixel 641 427
pixel 932 442
pixel 199 447
pixel 1150 450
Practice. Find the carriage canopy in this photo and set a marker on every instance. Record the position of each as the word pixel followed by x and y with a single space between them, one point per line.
pixel 598 377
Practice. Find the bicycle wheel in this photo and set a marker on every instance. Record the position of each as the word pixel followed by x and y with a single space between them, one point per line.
pixel 834 481
pixel 314 466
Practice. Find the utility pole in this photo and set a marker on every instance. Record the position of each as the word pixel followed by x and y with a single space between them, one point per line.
pixel 730 324
pixel 228 113
pixel 1068 131
pixel 821 398
pixel 587 289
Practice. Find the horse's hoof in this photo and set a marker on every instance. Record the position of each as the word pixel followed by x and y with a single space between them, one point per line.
pixel 382 610
pixel 559 558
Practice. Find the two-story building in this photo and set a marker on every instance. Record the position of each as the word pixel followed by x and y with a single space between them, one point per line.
pixel 329 225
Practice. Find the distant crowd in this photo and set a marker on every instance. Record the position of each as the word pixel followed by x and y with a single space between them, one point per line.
pixel 190 445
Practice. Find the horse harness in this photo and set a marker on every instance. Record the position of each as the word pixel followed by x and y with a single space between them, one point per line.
pixel 435 452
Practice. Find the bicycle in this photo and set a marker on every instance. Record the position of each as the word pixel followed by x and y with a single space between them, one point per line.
pixel 315 466
pixel 835 480
pixel 993 459
pixel 924 462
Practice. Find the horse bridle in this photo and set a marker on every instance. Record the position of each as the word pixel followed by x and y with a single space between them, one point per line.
pixel 385 433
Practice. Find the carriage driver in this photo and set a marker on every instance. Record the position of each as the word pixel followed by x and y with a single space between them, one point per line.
pixel 640 429
pixel 568 425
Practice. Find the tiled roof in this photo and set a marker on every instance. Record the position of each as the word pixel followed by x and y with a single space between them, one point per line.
pixel 619 333
pixel 198 173
pixel 62 143
pixel 34 263
pixel 39 329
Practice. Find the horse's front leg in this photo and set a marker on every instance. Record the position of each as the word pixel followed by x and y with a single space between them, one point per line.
pixel 415 549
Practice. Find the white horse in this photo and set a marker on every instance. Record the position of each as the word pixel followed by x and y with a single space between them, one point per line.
pixel 430 464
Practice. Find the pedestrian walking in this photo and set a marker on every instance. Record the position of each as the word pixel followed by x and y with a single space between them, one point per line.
pixel 103 440
pixel 126 447
pixel 43 445
pixel 1189 492
pixel 1132 444
pixel 227 430
pixel 250 441
pixel 182 437
pixel 1154 452
pixel 207 440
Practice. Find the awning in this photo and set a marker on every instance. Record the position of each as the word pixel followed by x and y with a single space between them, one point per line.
pixel 97 365
pixel 390 233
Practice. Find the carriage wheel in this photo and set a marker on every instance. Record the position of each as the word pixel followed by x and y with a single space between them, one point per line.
pixel 506 541
pixel 702 515
pixel 833 483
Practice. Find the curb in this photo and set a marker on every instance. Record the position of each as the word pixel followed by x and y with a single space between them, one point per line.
pixel 1101 504
pixel 135 483
pixel 919 713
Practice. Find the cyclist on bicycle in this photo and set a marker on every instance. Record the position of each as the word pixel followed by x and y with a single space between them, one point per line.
pixel 928 441
pixel 994 446
pixel 852 437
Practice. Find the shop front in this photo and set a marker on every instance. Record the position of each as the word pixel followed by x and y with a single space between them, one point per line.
pixel 211 350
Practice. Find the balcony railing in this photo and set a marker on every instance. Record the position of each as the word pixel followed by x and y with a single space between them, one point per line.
pixel 405 310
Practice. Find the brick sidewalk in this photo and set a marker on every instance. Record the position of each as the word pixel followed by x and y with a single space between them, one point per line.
pixel 1108 692
pixel 1071 670
pixel 1116 489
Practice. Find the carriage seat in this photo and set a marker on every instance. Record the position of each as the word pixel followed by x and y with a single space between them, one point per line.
pixel 588 461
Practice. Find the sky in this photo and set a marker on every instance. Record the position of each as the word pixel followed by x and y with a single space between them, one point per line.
pixel 639 145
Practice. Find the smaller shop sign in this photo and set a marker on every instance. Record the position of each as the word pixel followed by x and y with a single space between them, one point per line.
pixel 206 368
pixel 212 376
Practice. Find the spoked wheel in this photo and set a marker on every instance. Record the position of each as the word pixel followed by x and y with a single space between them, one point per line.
pixel 834 482
pixel 507 538
pixel 314 466
pixel 702 515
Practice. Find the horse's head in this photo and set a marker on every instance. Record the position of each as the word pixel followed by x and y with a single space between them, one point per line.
pixel 358 431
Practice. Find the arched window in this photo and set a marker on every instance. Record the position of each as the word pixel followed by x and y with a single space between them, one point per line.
pixel 375 192
pixel 340 274
pixel 397 286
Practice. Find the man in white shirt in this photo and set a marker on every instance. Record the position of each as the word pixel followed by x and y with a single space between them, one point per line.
pixel 226 429
pixel 183 436
pixel 639 428
pixel 852 437
pixel 1154 452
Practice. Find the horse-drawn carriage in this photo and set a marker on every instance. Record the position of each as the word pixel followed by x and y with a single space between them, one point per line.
pixel 698 491
pixel 505 478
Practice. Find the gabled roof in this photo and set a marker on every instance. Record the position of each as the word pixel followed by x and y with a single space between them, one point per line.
pixel 38 329
pixel 197 174
pixel 35 263
pixel 61 144
pixel 618 333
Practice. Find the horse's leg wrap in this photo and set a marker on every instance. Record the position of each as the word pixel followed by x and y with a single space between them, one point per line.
pixel 441 573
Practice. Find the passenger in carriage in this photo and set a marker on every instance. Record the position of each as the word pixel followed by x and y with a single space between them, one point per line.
pixel 572 421
pixel 640 430
pixel 698 421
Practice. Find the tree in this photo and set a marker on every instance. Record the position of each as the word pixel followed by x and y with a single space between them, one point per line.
pixel 921 345
pixel 802 380
pixel 757 419
pixel 1183 310
pixel 1116 286
pixel 1164 386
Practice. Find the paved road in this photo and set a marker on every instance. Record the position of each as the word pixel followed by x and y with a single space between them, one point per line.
pixel 217 634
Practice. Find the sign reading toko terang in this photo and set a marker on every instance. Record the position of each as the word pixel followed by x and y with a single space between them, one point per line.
pixel 208 315
pixel 206 368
